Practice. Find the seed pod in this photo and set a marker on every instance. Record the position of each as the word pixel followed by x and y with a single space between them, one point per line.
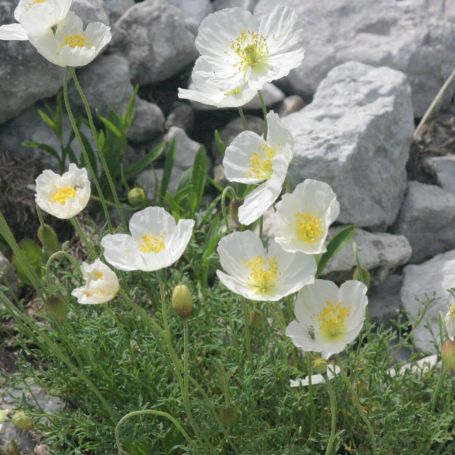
pixel 182 301
pixel 136 197
pixel 49 239
pixel 22 421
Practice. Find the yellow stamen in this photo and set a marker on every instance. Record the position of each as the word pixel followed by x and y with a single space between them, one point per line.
pixel 152 243
pixel 261 163
pixel 98 275
pixel 332 320
pixel 76 40
pixel 309 228
pixel 319 363
pixel 252 50
pixel 64 194
pixel 263 274
pixel 234 92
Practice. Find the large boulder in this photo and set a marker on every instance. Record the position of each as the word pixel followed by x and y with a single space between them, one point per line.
pixel 427 219
pixel 154 38
pixel 424 295
pixel 116 8
pixel 414 36
pixel 384 301
pixel 443 167
pixel 356 136
pixel 380 253
pixel 91 11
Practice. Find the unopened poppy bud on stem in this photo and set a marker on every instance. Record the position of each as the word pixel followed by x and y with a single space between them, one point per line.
pixel 448 355
pixel 56 307
pixel 182 301
pixel 228 416
pixel 256 319
pixel 136 197
pixel 22 421
pixel 48 238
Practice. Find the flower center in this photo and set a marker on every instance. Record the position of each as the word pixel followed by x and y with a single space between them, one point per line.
pixel 76 40
pixel 309 228
pixel 64 194
pixel 452 311
pixel 152 243
pixel 98 275
pixel 252 50
pixel 38 1
pixel 261 163
pixel 263 274
pixel 332 319
pixel 320 362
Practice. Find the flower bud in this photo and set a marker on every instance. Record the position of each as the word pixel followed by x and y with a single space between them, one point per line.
pixel 22 421
pixel 56 307
pixel 48 238
pixel 33 254
pixel 234 210
pixel 228 416
pixel 448 355
pixel 256 319
pixel 182 301
pixel 136 197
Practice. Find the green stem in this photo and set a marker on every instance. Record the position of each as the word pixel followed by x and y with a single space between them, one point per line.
pixel 85 240
pixel 333 421
pixel 155 413
pixel 243 118
pixel 264 113
pixel 310 395
pixel 356 402
pixel 83 149
pixel 100 152
pixel 247 329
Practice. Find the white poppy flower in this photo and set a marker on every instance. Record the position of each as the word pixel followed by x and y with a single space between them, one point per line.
pixel 251 159
pixel 302 219
pixel 63 196
pixel 156 241
pixel 332 371
pixel 259 274
pixel 71 45
pixel 450 322
pixel 101 284
pixel 328 318
pixel 241 52
pixel 34 17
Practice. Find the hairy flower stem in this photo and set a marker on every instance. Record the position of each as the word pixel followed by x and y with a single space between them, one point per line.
pixel 356 402
pixel 85 240
pixel 246 315
pixel 264 113
pixel 310 394
pixel 178 368
pixel 333 421
pixel 84 150
pixel 243 118
pixel 153 412
pixel 101 156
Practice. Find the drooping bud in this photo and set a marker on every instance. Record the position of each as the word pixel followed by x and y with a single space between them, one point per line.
pixel 228 416
pixel 33 254
pixel 49 239
pixel 56 307
pixel 234 210
pixel 22 421
pixel 256 319
pixel 448 355
pixel 182 301
pixel 136 197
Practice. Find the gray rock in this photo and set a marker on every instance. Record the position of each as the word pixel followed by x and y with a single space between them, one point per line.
pixel 116 8
pixel 10 437
pixel 195 9
pixel 245 4
pixel 384 300
pixel 424 295
pixel 148 122
pixel 91 11
pixel 271 93
pixel 153 37
pixel 186 149
pixel 379 253
pixel 182 115
pixel 150 181
pixel 291 104
pixel 356 136
pixel 26 76
pixel 414 36
pixel 444 169
pixel 427 219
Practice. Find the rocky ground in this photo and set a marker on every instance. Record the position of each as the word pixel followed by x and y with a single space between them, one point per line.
pixel 371 70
